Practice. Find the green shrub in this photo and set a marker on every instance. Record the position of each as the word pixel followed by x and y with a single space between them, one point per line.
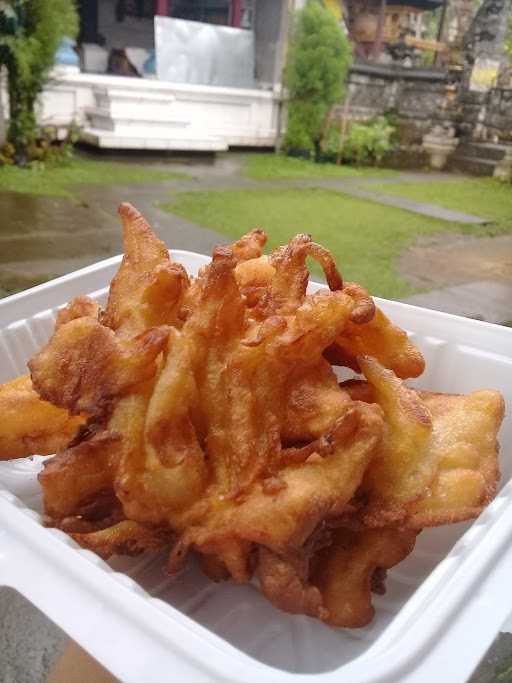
pixel 365 143
pixel 43 149
pixel 319 58
pixel 30 33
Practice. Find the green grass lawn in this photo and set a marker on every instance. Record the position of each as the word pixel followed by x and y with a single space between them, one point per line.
pixel 483 197
pixel 58 181
pixel 275 166
pixel 365 237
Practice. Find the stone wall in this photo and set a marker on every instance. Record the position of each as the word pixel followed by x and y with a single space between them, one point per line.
pixel 498 115
pixel 422 98
pixel 487 113
pixel 487 116
pixel 418 98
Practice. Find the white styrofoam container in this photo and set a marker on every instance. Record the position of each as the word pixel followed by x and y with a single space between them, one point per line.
pixel 444 604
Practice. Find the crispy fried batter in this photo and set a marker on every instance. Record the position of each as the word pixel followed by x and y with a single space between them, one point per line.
pixel 242 435
pixel 406 463
pixel 78 473
pixel 147 288
pixel 314 403
pixel 314 489
pixel 85 364
pixel 107 368
pixel 30 425
pixel 464 449
pixel 79 307
pixel 344 571
pixel 124 538
pixel 381 340
pixel 216 423
pixel 465 440
pixel 284 581
pixel 181 458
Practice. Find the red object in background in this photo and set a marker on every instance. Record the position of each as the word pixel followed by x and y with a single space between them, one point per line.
pixel 236 13
pixel 162 8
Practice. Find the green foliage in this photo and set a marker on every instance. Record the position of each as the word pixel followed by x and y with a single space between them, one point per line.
pixel 319 58
pixel 44 148
pixel 30 33
pixel 366 143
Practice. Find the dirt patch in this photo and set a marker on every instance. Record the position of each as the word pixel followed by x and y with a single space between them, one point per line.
pixel 445 260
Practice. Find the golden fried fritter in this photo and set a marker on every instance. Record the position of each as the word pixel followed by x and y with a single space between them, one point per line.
pixel 310 489
pixel 86 361
pixel 85 364
pixel 406 462
pixel 463 449
pixel 29 425
pixel 147 289
pixel 188 419
pixel 465 441
pixel 314 402
pixel 124 538
pixel 217 410
pixel 381 340
pixel 344 571
pixel 216 424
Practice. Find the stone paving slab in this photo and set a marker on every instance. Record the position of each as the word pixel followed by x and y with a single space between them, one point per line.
pixel 411 177
pixel 422 208
pixel 29 642
pixel 483 300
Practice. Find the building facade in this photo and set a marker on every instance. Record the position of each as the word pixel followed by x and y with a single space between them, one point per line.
pixel 115 93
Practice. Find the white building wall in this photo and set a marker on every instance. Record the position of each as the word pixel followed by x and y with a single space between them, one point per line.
pixel 133 112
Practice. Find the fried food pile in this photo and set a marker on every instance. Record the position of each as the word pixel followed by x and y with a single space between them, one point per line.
pixel 206 417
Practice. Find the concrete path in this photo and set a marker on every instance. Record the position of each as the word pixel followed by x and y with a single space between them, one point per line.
pixel 483 300
pixel 29 642
pixel 422 208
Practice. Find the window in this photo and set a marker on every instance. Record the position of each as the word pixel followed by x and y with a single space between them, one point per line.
pixel 208 11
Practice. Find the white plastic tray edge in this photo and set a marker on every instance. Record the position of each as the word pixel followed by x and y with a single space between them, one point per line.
pixel 462 619
pixel 469 608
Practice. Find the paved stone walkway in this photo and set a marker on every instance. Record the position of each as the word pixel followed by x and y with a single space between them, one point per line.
pixel 482 299
pixel 421 208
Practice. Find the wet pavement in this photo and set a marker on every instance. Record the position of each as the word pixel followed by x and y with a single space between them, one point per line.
pixel 44 237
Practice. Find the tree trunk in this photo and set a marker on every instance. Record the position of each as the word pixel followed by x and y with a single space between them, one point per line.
pixel 318 150
pixel 3 126
pixel 22 121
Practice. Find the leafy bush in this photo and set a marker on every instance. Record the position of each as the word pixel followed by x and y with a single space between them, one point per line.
pixel 365 143
pixel 319 58
pixel 44 149
pixel 30 33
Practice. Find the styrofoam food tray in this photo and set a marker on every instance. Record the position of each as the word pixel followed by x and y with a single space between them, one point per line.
pixel 444 603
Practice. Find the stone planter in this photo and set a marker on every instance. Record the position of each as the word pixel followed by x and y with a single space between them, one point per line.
pixel 503 170
pixel 439 144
